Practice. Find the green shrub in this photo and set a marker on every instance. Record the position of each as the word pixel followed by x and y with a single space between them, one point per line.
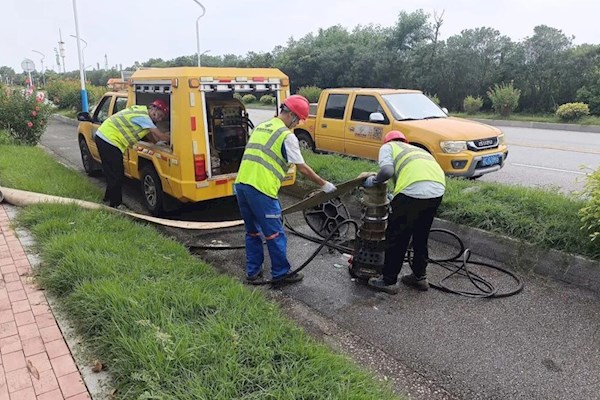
pixel 311 93
pixel 572 111
pixel 590 213
pixel 505 98
pixel 237 96
pixel 267 99
pixel 471 104
pixel 6 138
pixel 248 98
pixel 23 117
pixel 66 94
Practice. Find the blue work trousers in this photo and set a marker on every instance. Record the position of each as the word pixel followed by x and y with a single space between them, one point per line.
pixel 262 217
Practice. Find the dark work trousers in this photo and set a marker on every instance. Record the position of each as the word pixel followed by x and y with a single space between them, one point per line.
pixel 112 166
pixel 410 217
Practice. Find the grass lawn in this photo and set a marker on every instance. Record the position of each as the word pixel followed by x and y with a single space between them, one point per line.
pixel 167 325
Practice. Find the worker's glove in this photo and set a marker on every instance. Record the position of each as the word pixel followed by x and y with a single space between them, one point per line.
pixel 328 187
pixel 369 182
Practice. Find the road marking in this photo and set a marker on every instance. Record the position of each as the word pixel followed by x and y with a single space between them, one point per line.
pixel 549 169
pixel 548 147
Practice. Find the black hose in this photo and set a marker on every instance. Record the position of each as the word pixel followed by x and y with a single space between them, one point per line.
pixel 456 264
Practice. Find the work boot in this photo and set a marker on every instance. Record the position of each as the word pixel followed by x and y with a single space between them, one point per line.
pixel 297 277
pixel 254 279
pixel 412 281
pixel 379 284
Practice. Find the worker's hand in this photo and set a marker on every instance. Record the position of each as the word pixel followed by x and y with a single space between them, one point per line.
pixel 328 187
pixel 369 182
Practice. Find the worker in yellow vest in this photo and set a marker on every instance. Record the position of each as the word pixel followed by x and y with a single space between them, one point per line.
pixel 124 129
pixel 271 149
pixel 419 185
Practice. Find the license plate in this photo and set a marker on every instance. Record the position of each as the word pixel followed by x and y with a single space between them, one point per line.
pixel 490 160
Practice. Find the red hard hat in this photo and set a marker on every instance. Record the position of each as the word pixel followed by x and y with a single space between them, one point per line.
pixel 161 105
pixel 395 135
pixel 298 105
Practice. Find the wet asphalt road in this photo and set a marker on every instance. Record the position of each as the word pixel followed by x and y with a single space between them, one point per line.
pixel 543 343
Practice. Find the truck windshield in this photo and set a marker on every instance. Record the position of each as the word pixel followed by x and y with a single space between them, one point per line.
pixel 412 106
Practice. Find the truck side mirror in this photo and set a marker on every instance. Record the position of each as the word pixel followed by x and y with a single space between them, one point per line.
pixel 376 117
pixel 84 116
pixel 445 110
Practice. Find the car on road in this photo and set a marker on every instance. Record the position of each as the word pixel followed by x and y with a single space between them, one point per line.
pixel 354 121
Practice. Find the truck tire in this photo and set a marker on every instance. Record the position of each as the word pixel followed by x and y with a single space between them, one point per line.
pixel 305 141
pixel 89 164
pixel 152 190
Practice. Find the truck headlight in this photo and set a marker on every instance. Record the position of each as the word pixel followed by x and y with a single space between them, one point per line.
pixel 501 139
pixel 453 146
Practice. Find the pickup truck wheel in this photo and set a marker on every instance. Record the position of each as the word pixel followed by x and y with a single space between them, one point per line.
pixel 89 164
pixel 152 189
pixel 305 141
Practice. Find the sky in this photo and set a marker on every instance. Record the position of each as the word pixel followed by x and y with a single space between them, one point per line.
pixel 136 30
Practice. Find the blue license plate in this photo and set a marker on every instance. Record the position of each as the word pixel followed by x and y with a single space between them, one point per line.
pixel 490 160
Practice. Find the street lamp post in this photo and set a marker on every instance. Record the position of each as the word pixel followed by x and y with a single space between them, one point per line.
pixel 203 53
pixel 82 53
pixel 84 96
pixel 42 61
pixel 198 30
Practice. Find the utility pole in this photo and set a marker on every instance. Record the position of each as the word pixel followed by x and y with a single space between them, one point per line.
pixel 105 62
pixel 61 49
pixel 57 60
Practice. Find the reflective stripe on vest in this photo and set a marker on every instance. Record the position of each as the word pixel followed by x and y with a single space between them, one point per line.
pixel 263 165
pixel 413 164
pixel 119 129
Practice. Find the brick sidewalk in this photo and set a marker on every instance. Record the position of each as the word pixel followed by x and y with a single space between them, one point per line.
pixel 35 361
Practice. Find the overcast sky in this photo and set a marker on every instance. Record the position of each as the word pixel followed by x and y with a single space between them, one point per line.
pixel 136 30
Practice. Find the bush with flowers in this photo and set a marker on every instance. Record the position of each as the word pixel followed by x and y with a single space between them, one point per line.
pixel 23 116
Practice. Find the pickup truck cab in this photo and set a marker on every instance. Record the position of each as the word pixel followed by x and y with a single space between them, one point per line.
pixel 208 126
pixel 354 121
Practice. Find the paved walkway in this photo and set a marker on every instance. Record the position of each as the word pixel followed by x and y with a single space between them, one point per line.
pixel 35 361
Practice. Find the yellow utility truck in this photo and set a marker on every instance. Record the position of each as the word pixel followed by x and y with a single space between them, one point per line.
pixel 208 126
pixel 354 122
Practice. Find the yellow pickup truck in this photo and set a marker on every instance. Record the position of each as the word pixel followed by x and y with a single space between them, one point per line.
pixel 354 121
pixel 208 126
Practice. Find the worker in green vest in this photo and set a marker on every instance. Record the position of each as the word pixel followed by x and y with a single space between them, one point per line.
pixel 124 129
pixel 270 151
pixel 419 185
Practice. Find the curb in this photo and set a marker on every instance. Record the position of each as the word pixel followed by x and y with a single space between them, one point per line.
pixel 65 120
pixel 516 254
pixel 540 125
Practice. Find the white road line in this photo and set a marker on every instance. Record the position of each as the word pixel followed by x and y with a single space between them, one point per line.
pixel 549 169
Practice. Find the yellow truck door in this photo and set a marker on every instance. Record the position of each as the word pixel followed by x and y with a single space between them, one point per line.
pixel 101 114
pixel 362 137
pixel 331 121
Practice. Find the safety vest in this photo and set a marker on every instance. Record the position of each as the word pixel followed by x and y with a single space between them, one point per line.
pixel 263 165
pixel 413 164
pixel 121 131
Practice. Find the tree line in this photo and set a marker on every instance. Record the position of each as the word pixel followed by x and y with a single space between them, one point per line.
pixel 546 67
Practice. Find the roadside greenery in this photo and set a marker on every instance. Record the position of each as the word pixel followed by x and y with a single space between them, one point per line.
pixel 23 117
pixel 539 216
pixel 590 213
pixel 167 325
pixel 66 94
